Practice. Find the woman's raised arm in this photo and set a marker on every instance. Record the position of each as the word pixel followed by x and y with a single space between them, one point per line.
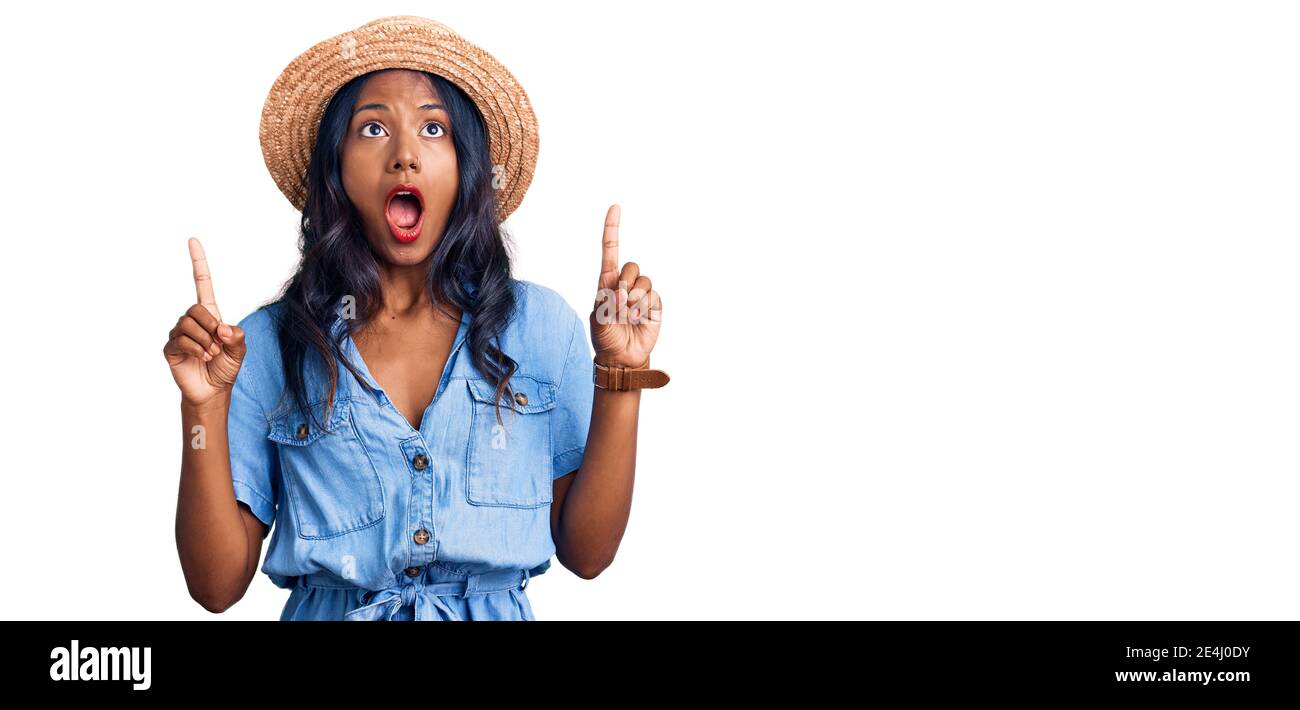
pixel 591 511
pixel 219 540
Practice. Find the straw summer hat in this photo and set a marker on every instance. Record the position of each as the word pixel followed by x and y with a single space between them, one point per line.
pixel 297 100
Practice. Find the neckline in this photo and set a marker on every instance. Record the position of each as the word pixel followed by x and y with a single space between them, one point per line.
pixel 354 354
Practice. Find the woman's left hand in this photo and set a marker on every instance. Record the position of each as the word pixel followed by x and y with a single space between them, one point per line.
pixel 626 317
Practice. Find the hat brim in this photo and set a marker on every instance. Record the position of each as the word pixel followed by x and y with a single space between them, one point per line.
pixel 297 100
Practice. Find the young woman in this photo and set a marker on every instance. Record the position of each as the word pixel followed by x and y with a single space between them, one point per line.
pixel 421 428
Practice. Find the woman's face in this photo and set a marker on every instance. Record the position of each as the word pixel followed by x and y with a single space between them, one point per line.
pixel 399 139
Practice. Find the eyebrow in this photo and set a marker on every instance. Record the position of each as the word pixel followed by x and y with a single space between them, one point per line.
pixel 383 107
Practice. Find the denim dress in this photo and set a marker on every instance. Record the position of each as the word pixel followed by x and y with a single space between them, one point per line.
pixel 375 520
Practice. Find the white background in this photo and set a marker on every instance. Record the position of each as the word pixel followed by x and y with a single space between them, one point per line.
pixel 972 310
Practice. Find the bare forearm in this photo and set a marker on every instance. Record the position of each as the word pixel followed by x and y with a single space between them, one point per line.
pixel 599 502
pixel 210 533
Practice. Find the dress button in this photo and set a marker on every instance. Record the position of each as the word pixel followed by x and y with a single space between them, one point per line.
pixel 421 536
pixel 521 398
pixel 302 431
pixel 421 461
pixel 412 571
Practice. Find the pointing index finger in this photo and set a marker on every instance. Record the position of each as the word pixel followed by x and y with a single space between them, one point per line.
pixel 609 249
pixel 203 278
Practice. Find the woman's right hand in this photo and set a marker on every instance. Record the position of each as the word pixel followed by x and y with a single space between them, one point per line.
pixel 204 353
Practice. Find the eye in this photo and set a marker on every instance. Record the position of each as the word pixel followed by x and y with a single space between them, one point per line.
pixel 365 129
pixel 441 130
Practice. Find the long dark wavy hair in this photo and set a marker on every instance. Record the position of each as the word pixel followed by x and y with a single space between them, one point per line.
pixel 337 260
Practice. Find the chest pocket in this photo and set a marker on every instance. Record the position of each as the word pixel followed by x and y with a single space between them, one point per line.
pixel 509 463
pixel 333 486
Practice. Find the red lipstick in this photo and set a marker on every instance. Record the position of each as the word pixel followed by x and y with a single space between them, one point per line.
pixel 412 199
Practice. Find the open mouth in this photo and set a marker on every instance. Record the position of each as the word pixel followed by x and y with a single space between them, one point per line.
pixel 405 212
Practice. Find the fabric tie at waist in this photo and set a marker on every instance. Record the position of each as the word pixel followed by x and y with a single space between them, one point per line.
pixel 424 597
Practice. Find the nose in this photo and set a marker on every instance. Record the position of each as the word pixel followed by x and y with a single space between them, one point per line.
pixel 405 157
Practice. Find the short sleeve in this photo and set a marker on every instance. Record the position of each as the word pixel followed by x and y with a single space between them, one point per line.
pixel 254 462
pixel 571 417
